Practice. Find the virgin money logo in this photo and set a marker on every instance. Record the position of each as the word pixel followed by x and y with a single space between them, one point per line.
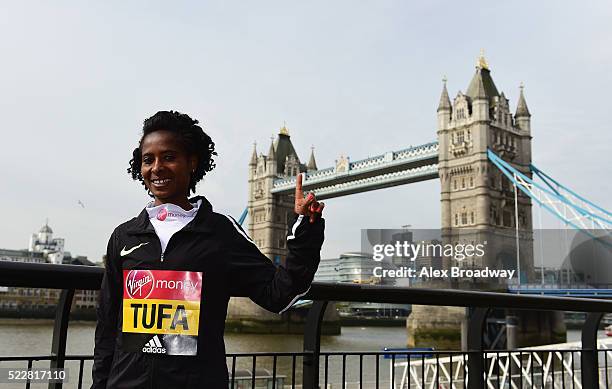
pixel 139 283
pixel 162 214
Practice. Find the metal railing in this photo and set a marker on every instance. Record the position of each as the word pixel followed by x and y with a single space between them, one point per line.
pixel 474 368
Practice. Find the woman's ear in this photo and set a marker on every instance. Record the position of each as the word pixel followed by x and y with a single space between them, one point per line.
pixel 194 163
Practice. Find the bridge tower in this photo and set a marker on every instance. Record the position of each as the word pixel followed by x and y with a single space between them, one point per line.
pixel 269 215
pixel 477 201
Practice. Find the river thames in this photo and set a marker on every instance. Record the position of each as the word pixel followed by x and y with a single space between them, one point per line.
pixel 33 337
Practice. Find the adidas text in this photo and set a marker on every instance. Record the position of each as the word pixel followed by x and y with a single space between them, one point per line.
pixel 154 350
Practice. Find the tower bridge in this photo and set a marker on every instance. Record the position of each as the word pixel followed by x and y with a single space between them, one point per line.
pixel 414 164
pixel 482 158
pixel 477 201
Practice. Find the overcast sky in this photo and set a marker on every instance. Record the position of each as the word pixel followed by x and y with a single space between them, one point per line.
pixel 350 77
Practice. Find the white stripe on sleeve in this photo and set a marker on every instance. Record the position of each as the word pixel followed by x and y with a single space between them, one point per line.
pixel 296 298
pixel 295 226
pixel 239 229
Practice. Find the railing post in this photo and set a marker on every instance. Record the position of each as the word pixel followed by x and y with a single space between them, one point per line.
pixel 312 345
pixel 60 333
pixel 588 355
pixel 476 328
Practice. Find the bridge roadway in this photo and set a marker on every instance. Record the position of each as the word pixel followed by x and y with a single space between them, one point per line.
pixel 414 164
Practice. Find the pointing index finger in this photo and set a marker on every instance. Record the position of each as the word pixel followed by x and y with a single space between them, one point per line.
pixel 299 192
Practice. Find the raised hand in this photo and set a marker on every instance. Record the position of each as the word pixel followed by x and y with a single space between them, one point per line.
pixel 308 206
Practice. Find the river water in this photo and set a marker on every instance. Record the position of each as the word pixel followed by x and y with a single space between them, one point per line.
pixel 33 337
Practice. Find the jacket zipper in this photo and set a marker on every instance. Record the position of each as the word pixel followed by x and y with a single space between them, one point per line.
pixel 153 233
pixel 168 245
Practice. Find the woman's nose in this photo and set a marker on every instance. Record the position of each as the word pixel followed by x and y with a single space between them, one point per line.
pixel 157 166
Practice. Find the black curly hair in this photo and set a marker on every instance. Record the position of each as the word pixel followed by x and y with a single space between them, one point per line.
pixel 193 137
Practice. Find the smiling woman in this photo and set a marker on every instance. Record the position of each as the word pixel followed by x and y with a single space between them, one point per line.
pixel 174 153
pixel 151 333
pixel 166 168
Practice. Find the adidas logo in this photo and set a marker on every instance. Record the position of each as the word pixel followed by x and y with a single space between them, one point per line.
pixel 154 346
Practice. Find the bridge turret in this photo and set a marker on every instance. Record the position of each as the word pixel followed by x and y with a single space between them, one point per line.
pixel 444 107
pixel 482 90
pixel 312 164
pixel 522 115
pixel 271 163
pixel 287 160
pixel 253 161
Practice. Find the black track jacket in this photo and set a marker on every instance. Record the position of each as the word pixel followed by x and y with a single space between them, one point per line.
pixel 231 265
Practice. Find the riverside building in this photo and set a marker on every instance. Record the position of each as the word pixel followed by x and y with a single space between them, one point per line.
pixel 358 268
pixel 40 302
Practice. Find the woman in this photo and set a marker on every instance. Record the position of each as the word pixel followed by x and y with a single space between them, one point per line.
pixel 171 270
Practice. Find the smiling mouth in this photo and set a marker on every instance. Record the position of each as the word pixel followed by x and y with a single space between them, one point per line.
pixel 160 182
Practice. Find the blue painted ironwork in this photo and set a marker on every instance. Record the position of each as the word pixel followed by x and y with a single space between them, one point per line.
pixel 243 216
pixel 558 188
pixel 550 198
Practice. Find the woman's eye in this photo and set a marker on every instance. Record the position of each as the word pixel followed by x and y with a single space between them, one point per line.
pixel 146 161
pixel 169 157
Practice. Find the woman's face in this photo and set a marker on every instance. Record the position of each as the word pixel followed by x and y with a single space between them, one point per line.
pixel 166 167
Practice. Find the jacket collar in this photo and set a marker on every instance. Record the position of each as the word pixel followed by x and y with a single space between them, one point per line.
pixel 200 223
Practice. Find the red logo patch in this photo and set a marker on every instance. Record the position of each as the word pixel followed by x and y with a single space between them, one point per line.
pixel 139 284
pixel 162 214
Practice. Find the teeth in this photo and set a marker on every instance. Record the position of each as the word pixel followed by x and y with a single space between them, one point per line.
pixel 161 181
